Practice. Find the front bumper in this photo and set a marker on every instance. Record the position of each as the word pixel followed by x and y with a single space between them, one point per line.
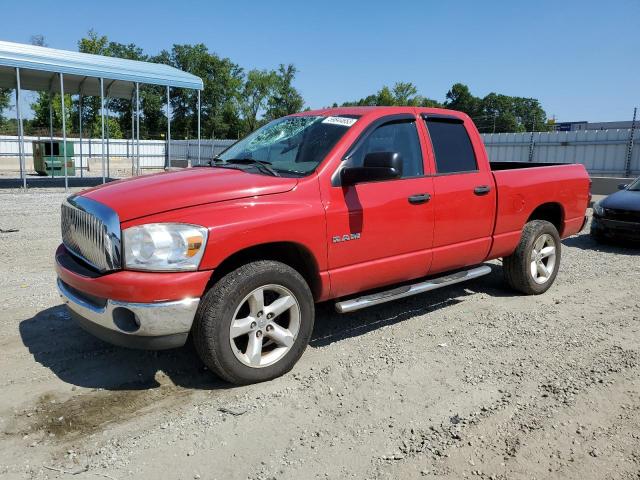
pixel 616 229
pixel 152 326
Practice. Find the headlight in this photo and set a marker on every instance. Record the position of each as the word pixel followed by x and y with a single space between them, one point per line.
pixel 598 210
pixel 164 246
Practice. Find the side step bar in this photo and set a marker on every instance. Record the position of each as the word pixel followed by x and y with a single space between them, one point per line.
pixel 346 306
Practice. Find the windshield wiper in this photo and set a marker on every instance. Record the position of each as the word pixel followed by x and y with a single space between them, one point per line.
pixel 262 165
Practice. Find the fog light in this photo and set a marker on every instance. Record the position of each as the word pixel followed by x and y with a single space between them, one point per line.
pixel 125 320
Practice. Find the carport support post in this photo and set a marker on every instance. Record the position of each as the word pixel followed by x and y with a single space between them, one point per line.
pixel 51 127
pixel 168 161
pixel 102 120
pixel 80 130
pixel 198 127
pixel 20 131
pixel 137 128
pixel 133 135
pixel 107 133
pixel 64 133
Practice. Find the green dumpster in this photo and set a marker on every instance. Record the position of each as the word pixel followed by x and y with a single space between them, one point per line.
pixel 48 158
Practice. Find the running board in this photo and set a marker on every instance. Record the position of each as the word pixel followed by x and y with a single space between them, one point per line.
pixel 408 290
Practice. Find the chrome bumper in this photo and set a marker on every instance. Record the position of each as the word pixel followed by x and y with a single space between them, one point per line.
pixel 135 325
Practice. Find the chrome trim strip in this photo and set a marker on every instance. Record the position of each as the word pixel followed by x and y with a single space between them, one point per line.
pixel 409 290
pixel 155 319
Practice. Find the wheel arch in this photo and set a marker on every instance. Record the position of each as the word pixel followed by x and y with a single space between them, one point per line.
pixel 293 254
pixel 552 212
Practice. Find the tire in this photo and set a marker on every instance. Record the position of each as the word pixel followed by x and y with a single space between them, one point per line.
pixel 521 269
pixel 260 348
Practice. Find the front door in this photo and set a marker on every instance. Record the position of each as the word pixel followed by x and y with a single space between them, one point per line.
pixel 381 232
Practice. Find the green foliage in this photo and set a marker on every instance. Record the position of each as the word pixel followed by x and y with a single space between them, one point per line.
pixel 5 102
pixel 258 87
pixel 223 81
pixel 41 113
pixel 493 113
pixel 111 128
pixel 402 94
pixel 234 103
pixel 285 99
pixel 152 100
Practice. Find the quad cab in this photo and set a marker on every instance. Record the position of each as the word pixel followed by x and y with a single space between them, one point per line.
pixel 355 205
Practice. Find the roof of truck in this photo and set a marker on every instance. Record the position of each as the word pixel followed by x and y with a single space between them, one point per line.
pixel 380 110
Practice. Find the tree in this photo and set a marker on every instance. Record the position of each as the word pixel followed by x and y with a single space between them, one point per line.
pixel 402 94
pixel 503 113
pixel 285 99
pixel 41 118
pixel 222 81
pixel 111 125
pixel 230 102
pixel 152 97
pixel 5 102
pixel 459 98
pixel 258 87
pixel 493 113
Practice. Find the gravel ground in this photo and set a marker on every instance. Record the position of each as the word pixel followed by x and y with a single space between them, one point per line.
pixel 469 381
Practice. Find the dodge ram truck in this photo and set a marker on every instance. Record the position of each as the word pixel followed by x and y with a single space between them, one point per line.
pixel 359 206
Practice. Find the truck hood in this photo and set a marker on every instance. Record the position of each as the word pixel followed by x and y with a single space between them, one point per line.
pixel 150 194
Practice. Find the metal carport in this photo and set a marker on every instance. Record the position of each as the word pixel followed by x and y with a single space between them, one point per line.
pixel 30 67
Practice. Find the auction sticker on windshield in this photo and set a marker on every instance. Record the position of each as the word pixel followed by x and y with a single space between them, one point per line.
pixel 344 121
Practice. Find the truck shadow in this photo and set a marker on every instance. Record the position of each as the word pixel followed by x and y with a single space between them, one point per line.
pixel 78 358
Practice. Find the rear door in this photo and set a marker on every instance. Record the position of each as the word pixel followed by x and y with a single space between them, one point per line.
pixel 464 199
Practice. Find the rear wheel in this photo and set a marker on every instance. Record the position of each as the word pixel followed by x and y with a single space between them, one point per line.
pixel 533 267
pixel 255 322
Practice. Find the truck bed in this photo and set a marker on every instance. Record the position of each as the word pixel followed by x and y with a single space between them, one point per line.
pixel 565 185
pixel 495 166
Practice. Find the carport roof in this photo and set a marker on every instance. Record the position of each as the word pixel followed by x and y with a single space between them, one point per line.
pixel 82 71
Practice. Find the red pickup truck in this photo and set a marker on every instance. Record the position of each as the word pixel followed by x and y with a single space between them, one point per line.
pixel 356 205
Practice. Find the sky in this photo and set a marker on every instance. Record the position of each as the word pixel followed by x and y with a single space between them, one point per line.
pixel 579 58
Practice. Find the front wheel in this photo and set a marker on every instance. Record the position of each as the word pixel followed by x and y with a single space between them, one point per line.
pixel 533 267
pixel 255 322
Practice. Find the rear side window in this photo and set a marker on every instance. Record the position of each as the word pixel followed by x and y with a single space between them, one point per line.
pixel 451 146
pixel 399 137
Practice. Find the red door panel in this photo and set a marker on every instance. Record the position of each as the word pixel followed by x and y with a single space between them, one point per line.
pixel 463 220
pixel 395 238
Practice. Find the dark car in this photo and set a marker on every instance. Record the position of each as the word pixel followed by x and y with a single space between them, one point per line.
pixel 618 215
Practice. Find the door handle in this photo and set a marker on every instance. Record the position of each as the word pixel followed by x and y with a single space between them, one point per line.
pixel 420 198
pixel 482 190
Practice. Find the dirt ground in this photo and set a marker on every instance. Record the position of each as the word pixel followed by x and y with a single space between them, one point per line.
pixel 470 381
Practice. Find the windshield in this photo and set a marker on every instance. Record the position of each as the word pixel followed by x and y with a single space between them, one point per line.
pixel 292 146
pixel 635 186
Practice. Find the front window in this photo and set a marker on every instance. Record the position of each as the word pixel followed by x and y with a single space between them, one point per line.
pixel 289 146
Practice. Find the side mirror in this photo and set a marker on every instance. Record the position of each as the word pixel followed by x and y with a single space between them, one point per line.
pixel 622 186
pixel 375 167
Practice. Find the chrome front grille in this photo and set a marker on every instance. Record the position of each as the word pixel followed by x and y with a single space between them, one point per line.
pixel 91 231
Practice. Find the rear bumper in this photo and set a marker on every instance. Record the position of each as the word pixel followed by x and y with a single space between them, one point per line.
pixel 135 325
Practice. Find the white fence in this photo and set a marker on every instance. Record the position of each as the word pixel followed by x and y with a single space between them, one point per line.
pixel 603 152
pixel 153 153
